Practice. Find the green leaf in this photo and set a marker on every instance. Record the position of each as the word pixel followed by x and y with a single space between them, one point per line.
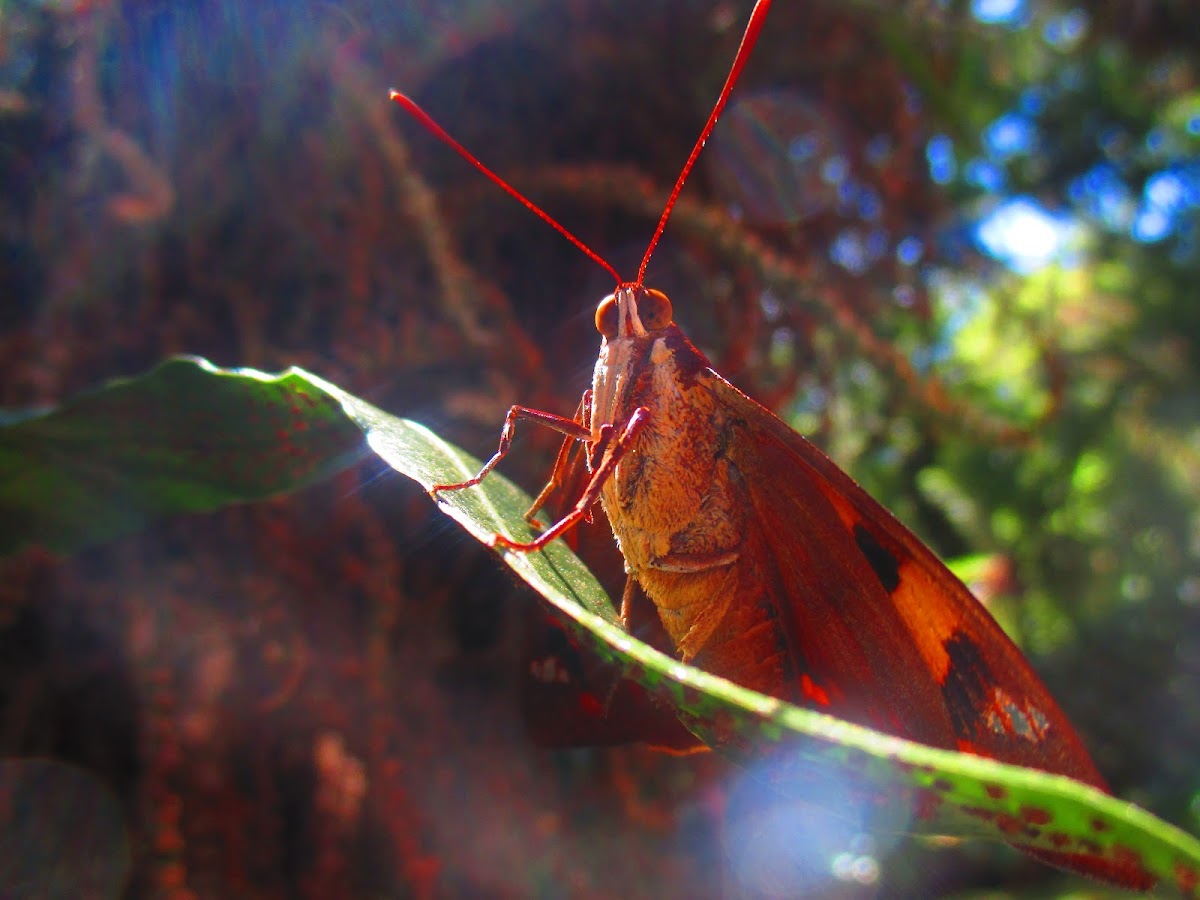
pixel 183 437
pixel 941 792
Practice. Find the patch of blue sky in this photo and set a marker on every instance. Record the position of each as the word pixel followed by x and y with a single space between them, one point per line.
pixel 959 300
pixel 939 153
pixel 909 250
pixel 1012 13
pixel 1150 225
pixel 835 169
pixel 1102 194
pixel 1156 140
pixel 930 356
pixel 870 206
pixel 1166 197
pixel 1025 236
pixel 1010 135
pixel 802 149
pixel 1185 249
pixel 1033 99
pixel 1065 31
pixel 850 251
pixel 984 174
pixel 1174 190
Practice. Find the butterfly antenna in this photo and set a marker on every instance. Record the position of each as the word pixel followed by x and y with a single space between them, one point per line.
pixel 753 28
pixel 434 128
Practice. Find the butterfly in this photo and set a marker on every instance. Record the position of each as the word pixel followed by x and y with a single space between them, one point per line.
pixel 767 564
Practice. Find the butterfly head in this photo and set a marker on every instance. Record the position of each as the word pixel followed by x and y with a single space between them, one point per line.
pixel 633 311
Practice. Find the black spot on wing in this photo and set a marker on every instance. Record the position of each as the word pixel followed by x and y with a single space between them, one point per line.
pixel 885 566
pixel 966 689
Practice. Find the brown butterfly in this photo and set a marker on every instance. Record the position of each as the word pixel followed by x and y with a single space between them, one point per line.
pixel 766 563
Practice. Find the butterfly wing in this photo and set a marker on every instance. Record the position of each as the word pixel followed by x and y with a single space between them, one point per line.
pixel 570 697
pixel 876 625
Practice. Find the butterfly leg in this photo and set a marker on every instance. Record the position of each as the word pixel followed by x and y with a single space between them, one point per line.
pixel 567 464
pixel 614 452
pixel 570 427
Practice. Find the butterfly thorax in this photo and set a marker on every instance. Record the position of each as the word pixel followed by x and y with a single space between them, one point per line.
pixel 677 505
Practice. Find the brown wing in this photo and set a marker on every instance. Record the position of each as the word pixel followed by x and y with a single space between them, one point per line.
pixel 570 697
pixel 879 630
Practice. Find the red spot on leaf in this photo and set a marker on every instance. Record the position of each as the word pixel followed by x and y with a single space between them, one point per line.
pixel 996 791
pixel 1036 816
pixel 1008 824
pixel 1187 879
pixel 1100 825
pixel 1128 870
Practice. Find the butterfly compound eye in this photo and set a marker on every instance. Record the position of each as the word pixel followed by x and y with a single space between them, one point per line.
pixel 654 309
pixel 606 317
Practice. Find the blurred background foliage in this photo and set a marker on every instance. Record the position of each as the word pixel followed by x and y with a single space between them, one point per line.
pixel 955 241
